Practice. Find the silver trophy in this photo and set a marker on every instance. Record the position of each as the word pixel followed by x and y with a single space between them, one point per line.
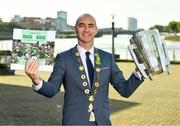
pixel 150 53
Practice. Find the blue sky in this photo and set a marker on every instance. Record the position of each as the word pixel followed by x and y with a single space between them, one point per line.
pixel 147 12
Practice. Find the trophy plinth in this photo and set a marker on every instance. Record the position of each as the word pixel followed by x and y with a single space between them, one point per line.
pixel 150 53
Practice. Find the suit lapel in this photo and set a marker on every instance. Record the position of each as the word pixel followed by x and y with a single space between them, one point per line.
pixel 95 67
pixel 80 72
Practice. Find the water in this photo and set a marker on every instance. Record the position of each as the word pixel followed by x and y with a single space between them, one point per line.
pixel 121 42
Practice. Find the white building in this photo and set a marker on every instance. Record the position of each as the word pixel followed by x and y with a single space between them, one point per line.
pixel 132 24
pixel 17 18
pixel 61 21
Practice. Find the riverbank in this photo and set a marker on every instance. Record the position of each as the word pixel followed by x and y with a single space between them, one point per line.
pixel 172 38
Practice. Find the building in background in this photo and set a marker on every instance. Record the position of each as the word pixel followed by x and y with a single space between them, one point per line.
pixel 34 22
pixel 17 18
pixel 59 24
pixel 61 21
pixel 132 24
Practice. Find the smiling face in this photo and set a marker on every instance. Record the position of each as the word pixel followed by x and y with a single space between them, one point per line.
pixel 86 29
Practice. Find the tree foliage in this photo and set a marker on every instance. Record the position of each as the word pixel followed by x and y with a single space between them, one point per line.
pixel 161 28
pixel 173 26
pixel 7 27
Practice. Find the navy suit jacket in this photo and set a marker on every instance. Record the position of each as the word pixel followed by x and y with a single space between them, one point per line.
pixel 75 109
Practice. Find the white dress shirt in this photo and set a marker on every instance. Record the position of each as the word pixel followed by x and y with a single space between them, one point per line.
pixel 82 52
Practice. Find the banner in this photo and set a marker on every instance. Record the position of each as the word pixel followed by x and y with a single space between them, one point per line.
pixel 33 43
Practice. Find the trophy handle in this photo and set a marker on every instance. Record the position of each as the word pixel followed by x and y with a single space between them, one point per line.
pixel 168 66
pixel 140 66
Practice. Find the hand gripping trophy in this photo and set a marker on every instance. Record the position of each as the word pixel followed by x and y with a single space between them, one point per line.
pixel 150 53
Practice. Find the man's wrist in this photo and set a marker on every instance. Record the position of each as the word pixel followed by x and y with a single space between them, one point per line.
pixel 37 87
pixel 138 74
pixel 36 81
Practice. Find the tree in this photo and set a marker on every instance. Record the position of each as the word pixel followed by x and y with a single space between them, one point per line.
pixel 7 27
pixel 159 27
pixel 178 26
pixel 173 26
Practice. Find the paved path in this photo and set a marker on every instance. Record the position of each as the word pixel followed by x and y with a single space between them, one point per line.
pixel 155 103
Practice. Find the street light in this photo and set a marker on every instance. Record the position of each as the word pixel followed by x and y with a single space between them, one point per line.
pixel 113 35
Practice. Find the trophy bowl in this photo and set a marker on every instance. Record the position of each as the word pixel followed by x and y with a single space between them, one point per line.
pixel 150 53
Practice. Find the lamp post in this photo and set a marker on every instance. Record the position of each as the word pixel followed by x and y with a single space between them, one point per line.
pixel 113 36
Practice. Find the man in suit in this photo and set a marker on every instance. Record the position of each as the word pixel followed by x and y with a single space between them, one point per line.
pixel 85 73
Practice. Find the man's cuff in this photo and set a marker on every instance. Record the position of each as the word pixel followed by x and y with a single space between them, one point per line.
pixel 138 74
pixel 37 87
